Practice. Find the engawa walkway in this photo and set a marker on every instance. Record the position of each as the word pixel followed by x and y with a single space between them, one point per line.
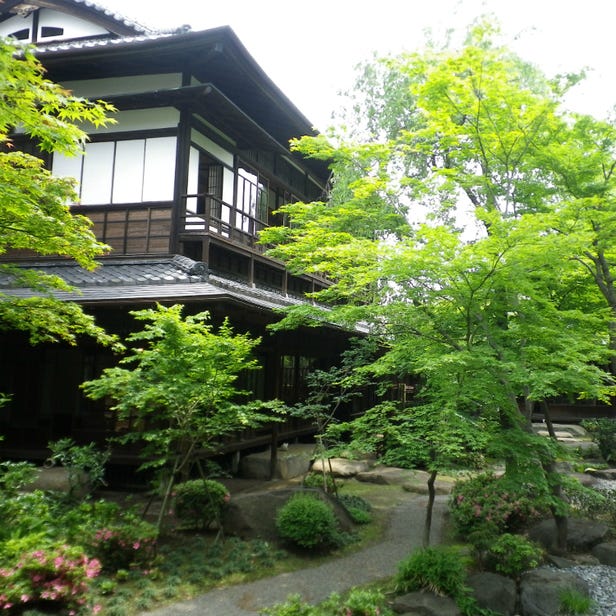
pixel 376 562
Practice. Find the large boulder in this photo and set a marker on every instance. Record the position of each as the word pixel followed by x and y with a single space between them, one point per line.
pixel 608 474
pixel 340 467
pixel 541 590
pixel 582 535
pixel 494 592
pixel 291 461
pixel 425 604
pixel 252 515
pixel 389 475
pixel 605 553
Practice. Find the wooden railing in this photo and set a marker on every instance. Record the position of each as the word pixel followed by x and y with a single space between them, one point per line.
pixel 205 214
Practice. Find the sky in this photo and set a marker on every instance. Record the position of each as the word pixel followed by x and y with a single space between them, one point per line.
pixel 310 49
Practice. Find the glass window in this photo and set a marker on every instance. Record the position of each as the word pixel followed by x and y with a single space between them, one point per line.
pixel 128 171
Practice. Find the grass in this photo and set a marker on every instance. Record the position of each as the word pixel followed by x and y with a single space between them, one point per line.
pixel 191 563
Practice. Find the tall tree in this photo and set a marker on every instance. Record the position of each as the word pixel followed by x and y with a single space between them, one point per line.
pixel 34 216
pixel 484 323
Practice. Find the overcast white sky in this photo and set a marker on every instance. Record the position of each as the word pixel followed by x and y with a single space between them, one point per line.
pixel 310 48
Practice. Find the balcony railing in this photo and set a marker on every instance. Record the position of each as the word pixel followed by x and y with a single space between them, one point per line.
pixel 206 214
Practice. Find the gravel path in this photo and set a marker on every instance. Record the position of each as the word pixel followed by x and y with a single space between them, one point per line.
pixel 315 584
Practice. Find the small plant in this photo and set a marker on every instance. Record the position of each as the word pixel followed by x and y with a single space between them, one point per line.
pixel 324 481
pixel 307 522
pixel 573 602
pixel 511 555
pixel 15 475
pixel 293 606
pixel 441 570
pixel 85 465
pixel 200 502
pixel 358 508
pixel 359 602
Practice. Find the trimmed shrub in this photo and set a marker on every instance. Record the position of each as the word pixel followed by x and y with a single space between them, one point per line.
pixel 307 522
pixel 511 555
pixel 199 503
pixel 602 431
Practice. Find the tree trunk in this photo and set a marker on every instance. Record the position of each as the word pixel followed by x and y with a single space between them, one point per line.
pixel 273 453
pixel 548 419
pixel 429 509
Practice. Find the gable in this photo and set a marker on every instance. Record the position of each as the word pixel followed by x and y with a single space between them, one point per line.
pixel 42 21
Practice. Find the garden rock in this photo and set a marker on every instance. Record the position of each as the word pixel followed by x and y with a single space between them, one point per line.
pixel 425 604
pixel 294 461
pixel 253 515
pixel 340 467
pixel 389 475
pixel 494 592
pixel 541 590
pixel 605 553
pixel 604 473
pixel 58 479
pixel 582 534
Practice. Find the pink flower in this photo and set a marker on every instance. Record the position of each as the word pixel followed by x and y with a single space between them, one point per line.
pixel 97 608
pixel 136 545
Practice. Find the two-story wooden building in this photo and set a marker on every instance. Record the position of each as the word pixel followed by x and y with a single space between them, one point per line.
pixel 179 187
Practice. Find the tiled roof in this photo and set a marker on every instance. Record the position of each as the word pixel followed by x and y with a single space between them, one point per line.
pixel 125 280
pixel 115 16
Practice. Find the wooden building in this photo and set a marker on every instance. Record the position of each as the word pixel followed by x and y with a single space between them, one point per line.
pixel 179 187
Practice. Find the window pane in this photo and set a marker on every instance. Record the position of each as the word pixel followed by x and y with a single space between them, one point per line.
pixel 128 176
pixel 159 170
pixel 97 173
pixel 67 167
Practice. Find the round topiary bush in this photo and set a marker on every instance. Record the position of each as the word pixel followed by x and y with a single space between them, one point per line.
pixel 307 522
pixel 200 502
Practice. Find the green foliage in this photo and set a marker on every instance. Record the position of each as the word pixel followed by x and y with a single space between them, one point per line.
pixel 55 574
pixel 489 504
pixel 85 465
pixel 200 502
pixel 319 480
pixel 359 602
pixel 511 555
pixel 33 210
pixel 572 602
pixel 440 570
pixel 177 389
pixel 603 432
pixel 359 508
pixel 14 476
pixel 307 522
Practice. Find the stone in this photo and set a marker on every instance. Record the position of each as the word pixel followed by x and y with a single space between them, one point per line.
pixel 292 461
pixel 425 604
pixel 541 590
pixel 389 475
pixel 340 467
pixel 441 486
pixel 56 479
pixel 605 553
pixel 252 515
pixel 603 473
pixel 494 592
pixel 582 534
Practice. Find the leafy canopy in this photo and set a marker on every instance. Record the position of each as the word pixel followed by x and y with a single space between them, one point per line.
pixel 34 216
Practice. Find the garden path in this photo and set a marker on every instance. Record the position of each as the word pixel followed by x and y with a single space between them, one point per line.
pixel 375 562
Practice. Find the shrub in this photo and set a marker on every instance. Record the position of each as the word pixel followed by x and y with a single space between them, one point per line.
pixel 511 555
pixel 602 431
pixel 358 508
pixel 293 606
pixel 307 522
pixel 359 602
pixel 572 601
pixel 15 475
pixel 316 480
pixel 118 538
pixel 440 570
pixel 200 502
pixel 488 501
pixel 58 576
